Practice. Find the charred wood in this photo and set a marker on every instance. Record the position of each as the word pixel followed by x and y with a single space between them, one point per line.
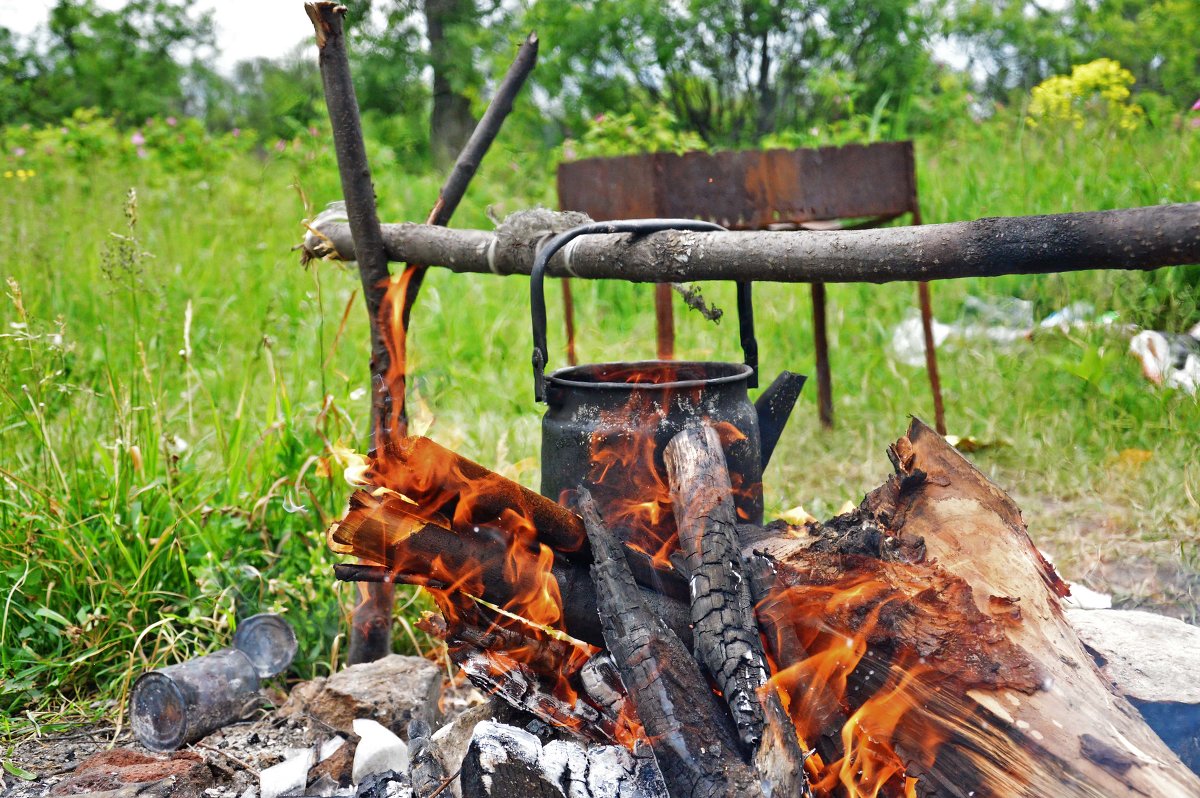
pixel 726 634
pixel 412 550
pixel 692 738
pixel 727 638
pixel 963 641
pixel 425 771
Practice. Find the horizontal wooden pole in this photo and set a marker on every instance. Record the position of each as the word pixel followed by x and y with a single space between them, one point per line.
pixel 1133 238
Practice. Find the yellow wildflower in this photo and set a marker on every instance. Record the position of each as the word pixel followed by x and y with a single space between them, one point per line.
pixel 8 173
pixel 1099 89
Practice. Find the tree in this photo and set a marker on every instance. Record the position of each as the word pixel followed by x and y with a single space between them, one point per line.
pixel 734 71
pixel 132 62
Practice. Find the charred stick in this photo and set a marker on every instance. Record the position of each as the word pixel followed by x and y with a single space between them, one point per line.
pixel 1131 238
pixel 726 635
pixel 415 551
pixel 727 639
pixel 689 733
pixel 370 634
pixel 500 675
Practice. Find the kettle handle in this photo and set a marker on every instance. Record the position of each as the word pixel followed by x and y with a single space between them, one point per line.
pixel 537 294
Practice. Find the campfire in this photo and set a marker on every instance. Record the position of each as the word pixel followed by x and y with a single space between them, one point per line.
pixel 914 646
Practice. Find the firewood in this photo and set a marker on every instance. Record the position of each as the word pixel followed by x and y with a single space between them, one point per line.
pixel 425 771
pixel 980 686
pixel 726 634
pixel 412 550
pixel 691 736
pixel 727 640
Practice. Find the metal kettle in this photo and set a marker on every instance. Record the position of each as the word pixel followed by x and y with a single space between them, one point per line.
pixel 607 424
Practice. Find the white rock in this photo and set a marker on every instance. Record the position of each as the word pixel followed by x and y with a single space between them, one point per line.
pixel 378 750
pixel 1148 657
pixel 290 775
pixel 1084 598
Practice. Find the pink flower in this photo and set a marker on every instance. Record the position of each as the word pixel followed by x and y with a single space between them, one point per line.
pixel 312 131
pixel 18 151
pixel 141 152
pixel 237 131
pixel 1196 122
pixel 171 121
pixel 280 145
pixel 1196 105
pixel 137 139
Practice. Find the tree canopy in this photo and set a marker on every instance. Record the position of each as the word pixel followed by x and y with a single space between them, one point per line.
pixel 732 72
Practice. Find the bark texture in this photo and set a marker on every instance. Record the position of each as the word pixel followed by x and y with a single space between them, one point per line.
pixel 691 736
pixel 1134 238
pixel 936 576
pixel 371 630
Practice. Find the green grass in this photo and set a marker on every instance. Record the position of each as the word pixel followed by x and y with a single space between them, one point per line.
pixel 154 459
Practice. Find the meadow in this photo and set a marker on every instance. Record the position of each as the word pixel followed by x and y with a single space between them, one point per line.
pixel 174 386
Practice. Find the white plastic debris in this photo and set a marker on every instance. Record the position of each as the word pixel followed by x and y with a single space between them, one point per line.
pixel 290 775
pixel 1170 360
pixel 908 340
pixel 378 750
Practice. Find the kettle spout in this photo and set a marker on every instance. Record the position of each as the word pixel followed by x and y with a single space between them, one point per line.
pixel 774 406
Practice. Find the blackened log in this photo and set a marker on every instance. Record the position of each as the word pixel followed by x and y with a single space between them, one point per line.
pixel 726 635
pixel 504 762
pixel 1132 238
pixel 727 638
pixel 692 738
pixel 412 550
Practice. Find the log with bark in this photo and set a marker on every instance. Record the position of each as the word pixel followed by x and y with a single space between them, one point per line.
pixel 918 643
pixel 1133 238
pixel 988 689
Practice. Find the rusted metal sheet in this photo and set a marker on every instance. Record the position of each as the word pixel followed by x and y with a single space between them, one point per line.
pixel 745 190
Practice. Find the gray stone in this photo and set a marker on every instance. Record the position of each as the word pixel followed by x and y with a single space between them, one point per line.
pixel 391 691
pixel 1153 661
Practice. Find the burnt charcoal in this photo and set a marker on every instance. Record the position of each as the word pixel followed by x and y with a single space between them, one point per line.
pixel 392 784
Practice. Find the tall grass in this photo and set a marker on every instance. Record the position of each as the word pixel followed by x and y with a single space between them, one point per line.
pixel 172 384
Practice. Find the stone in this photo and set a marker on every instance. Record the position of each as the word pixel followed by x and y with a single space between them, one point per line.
pixel 391 691
pixel 378 751
pixel 1152 660
pixel 290 775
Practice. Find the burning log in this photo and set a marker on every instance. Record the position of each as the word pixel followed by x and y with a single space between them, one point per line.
pixel 931 617
pixel 916 644
pixel 726 634
pixel 692 739
pixel 1134 238
pixel 481 561
pixel 727 639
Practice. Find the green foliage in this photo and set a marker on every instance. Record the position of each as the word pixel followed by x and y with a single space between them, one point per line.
pixel 650 129
pixel 1096 92
pixel 132 62
pixel 731 72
